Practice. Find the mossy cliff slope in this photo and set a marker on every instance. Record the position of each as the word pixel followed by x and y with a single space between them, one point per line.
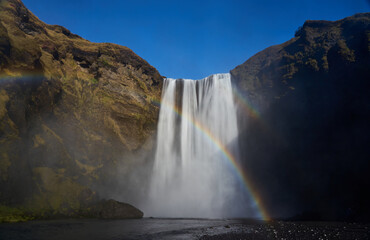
pixel 308 148
pixel 71 113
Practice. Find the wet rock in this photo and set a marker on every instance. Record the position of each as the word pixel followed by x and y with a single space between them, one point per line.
pixel 111 209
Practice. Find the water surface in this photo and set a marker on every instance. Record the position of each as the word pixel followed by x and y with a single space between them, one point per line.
pixel 146 228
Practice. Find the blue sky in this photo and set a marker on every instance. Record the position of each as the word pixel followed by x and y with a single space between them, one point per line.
pixel 191 38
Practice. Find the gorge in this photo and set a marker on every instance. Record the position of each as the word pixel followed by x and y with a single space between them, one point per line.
pixel 283 135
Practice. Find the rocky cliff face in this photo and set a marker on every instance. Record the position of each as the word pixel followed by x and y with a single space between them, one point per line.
pixel 308 146
pixel 72 112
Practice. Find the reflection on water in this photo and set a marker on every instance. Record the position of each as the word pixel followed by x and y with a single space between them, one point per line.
pixel 114 229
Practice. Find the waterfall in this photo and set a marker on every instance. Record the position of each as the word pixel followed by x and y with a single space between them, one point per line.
pixel 191 175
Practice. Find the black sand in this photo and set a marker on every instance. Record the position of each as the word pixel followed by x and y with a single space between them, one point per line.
pixel 203 229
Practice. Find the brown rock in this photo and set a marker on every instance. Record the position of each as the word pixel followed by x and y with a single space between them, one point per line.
pixel 111 209
pixel 73 111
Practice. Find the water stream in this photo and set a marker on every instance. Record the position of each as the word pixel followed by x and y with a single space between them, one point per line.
pixel 197 130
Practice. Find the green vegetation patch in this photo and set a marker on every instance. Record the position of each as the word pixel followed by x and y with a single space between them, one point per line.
pixel 312 63
pixel 94 81
pixel 60 192
pixel 345 52
pixel 11 215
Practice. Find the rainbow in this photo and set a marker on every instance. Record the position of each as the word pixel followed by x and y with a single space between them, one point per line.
pixel 212 139
pixel 251 110
pixel 9 76
pixel 226 153
pixel 18 75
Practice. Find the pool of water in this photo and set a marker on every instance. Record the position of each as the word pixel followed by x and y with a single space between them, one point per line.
pixel 146 228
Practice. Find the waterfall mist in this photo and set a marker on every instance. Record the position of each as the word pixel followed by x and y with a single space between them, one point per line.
pixel 192 176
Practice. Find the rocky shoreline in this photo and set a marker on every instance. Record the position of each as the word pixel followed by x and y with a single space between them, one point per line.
pixel 293 230
pixel 172 229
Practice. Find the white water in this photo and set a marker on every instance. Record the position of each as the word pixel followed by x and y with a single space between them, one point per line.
pixel 191 176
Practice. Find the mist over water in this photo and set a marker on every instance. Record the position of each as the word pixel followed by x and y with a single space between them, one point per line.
pixel 191 175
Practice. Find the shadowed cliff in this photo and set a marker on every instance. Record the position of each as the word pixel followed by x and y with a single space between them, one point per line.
pixel 307 151
pixel 75 116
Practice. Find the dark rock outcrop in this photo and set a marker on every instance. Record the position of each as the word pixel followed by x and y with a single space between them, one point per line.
pixel 111 209
pixel 307 148
pixel 75 116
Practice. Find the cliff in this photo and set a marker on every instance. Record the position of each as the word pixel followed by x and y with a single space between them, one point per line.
pixel 74 115
pixel 307 146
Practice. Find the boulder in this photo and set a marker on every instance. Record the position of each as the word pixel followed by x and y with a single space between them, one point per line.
pixel 112 209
